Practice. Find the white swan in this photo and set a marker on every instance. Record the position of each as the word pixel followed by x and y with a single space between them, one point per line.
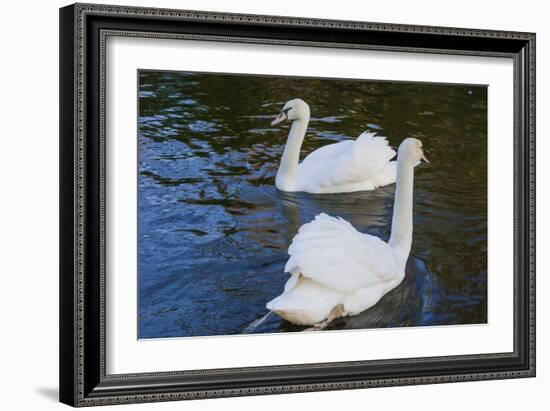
pixel 336 270
pixel 354 165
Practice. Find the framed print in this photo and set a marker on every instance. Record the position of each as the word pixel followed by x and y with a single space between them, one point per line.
pixel 261 204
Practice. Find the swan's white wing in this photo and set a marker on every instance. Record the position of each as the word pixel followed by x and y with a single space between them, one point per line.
pixel 333 253
pixel 368 157
pixel 328 152
pixel 355 162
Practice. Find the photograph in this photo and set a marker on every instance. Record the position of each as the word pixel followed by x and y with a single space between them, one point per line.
pixel 273 204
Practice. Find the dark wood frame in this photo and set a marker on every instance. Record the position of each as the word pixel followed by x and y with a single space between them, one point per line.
pixel 83 30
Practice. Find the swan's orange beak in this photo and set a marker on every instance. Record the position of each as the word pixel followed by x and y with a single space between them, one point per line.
pixel 424 159
pixel 280 118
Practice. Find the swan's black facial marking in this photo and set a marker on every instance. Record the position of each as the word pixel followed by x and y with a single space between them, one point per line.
pixel 284 113
pixel 283 116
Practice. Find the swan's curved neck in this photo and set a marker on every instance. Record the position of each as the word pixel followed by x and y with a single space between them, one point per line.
pixel 286 175
pixel 402 221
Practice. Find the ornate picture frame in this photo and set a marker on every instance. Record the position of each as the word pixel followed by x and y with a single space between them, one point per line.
pixel 84 29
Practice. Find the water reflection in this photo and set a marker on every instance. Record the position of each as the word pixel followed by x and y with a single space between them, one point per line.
pixel 214 231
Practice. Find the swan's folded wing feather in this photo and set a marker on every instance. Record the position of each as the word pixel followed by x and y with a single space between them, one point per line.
pixel 373 150
pixel 359 161
pixel 328 152
pixel 331 252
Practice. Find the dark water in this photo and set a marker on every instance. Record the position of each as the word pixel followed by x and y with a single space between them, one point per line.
pixel 214 231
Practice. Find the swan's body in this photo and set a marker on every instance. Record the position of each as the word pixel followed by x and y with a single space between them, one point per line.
pixel 348 166
pixel 336 270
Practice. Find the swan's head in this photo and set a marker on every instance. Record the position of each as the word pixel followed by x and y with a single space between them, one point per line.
pixel 296 109
pixel 410 150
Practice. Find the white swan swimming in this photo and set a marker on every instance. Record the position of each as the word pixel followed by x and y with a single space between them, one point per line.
pixel 338 271
pixel 344 167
